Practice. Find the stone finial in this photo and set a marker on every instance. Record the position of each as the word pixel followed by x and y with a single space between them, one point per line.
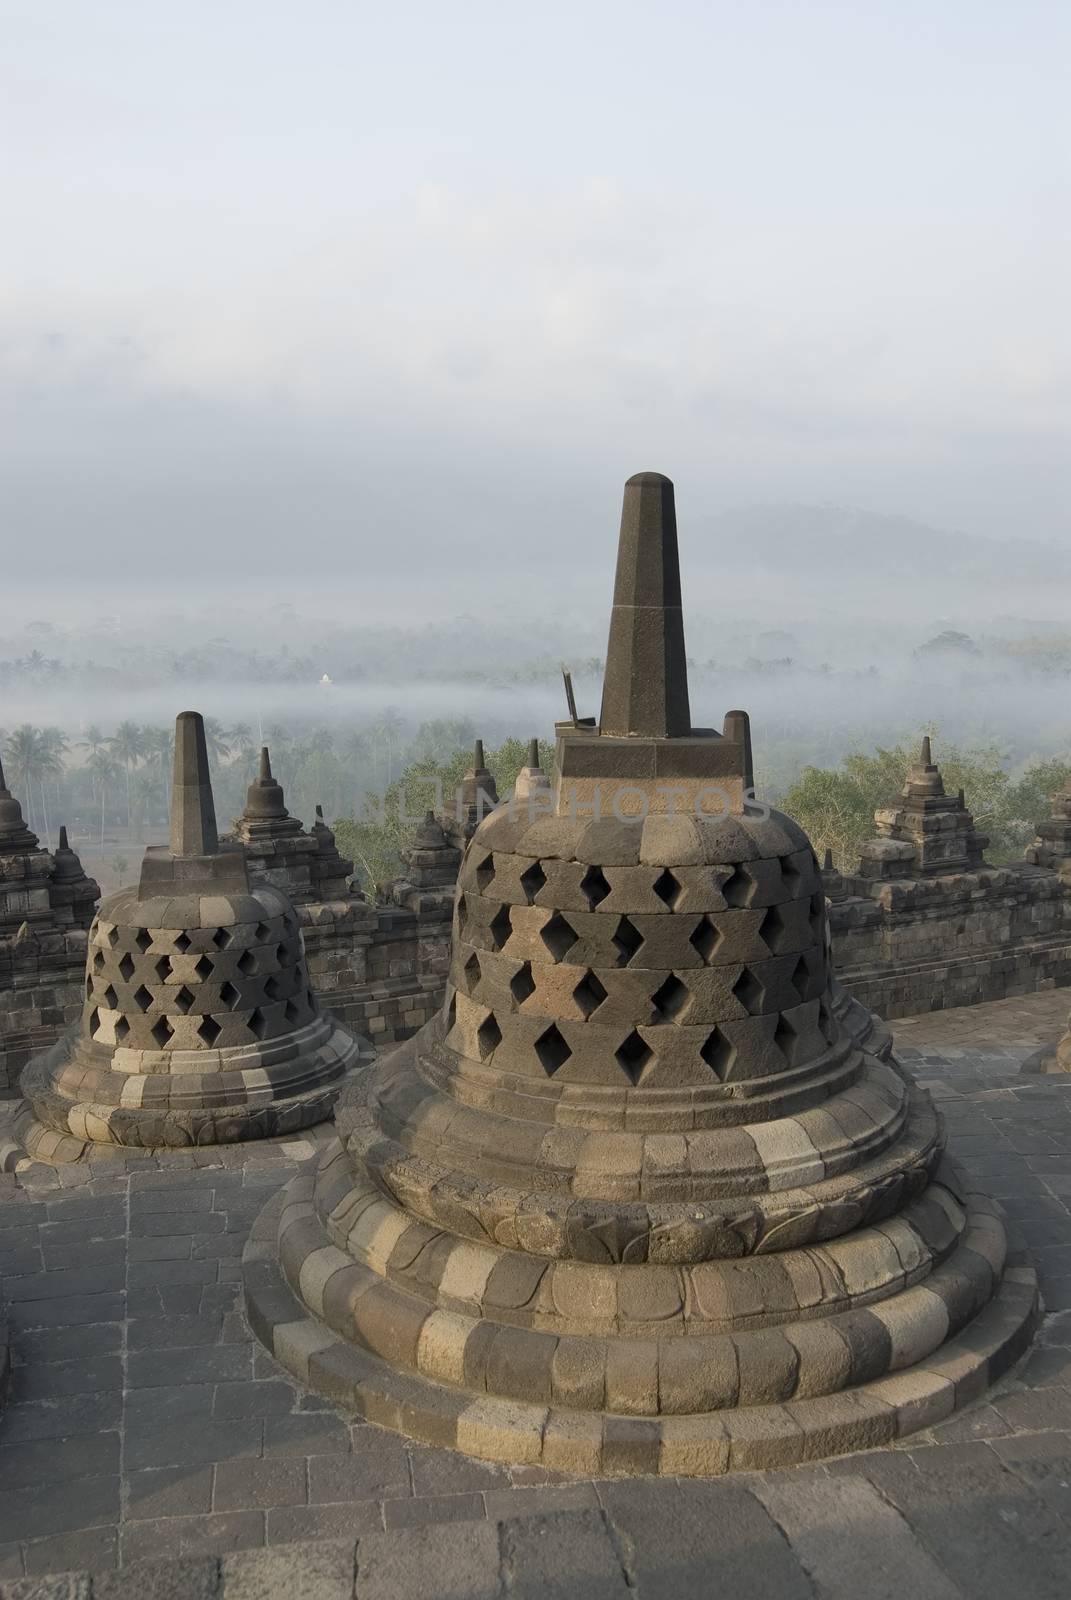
pixel 478 786
pixel 924 753
pixel 193 812
pixel 645 688
pixel 264 797
pixel 737 728
pixel 67 866
pixel 531 779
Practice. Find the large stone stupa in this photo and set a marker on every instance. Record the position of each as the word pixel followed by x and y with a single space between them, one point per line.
pixel 199 1024
pixel 644 1197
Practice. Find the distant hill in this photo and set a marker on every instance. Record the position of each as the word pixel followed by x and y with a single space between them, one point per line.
pixel 847 541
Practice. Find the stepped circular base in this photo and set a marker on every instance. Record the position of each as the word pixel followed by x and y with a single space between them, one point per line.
pixel 799 1428
pixel 61 1119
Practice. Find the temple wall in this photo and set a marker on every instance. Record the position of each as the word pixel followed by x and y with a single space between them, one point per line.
pixel 928 945
pixel 41 991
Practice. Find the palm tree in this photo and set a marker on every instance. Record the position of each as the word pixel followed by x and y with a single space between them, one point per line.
pixel 24 756
pixel 52 743
pixel 391 725
pixel 94 739
pixel 128 746
pixel 160 750
pixel 216 737
pixel 102 768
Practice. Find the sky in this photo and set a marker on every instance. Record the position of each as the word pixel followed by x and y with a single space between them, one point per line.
pixel 384 302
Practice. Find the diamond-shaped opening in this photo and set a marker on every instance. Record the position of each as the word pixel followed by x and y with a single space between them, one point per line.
pixel 247 963
pixel 627 941
pixel 801 978
pixel 111 999
pixel 143 939
pixel 473 972
pixel 113 936
pixel 559 936
pixel 310 999
pixel 291 1012
pixel 668 888
pixel 748 990
pixel 501 928
pixel 221 938
pixel 787 1039
pixel 485 873
pixel 162 1033
pixel 772 930
pixel 229 995
pixel 209 1030
pixel 671 998
pixel 163 969
pixel 739 887
pixel 552 1050
pixel 274 989
pixel 451 1012
pixel 204 968
pixel 522 984
pixel 791 875
pixel 261 933
pixel 122 1028
pixel 532 880
pixel 182 999
pixel 462 915
pixel 589 993
pixel 94 1022
pixel 633 1055
pixel 281 954
pixel 717 1052
pixel 127 968
pixel 705 938
pixel 594 887
pixel 183 943
pixel 89 987
pixel 818 912
pixel 98 961
pixel 258 1025
pixel 142 998
pixel 488 1036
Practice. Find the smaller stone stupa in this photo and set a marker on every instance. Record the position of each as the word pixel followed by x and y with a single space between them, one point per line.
pixel 929 834
pixel 199 1024
pixel 307 867
pixel 38 888
pixel 1052 847
pixel 476 797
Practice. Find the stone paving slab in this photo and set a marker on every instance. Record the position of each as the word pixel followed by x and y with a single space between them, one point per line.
pixel 143 1422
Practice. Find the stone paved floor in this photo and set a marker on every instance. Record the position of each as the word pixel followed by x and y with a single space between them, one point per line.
pixel 143 1420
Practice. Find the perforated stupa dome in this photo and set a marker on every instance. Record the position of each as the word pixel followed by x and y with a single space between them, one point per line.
pixel 199 1024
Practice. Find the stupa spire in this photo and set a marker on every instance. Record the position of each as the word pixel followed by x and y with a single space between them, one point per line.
pixel 645 689
pixel 193 811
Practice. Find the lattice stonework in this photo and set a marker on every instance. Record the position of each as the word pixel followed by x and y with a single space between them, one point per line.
pixel 535 941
